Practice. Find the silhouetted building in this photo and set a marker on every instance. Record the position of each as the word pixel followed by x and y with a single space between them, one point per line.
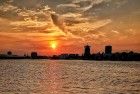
pixel 73 56
pixel 108 49
pixel 108 55
pixel 68 56
pixel 64 56
pixel 87 52
pixel 9 53
pixel 34 55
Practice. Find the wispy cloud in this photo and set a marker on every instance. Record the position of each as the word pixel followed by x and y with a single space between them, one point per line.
pixel 69 20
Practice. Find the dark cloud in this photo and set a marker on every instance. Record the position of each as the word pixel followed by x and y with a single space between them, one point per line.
pixel 113 8
pixel 58 21
pixel 29 4
pixel 5 1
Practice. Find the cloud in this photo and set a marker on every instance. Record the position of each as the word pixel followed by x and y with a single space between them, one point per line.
pixel 73 15
pixel 30 4
pixel 75 18
pixel 29 26
pixel 5 1
pixel 58 21
pixel 84 4
pixel 5 25
pixel 114 31
pixel 90 26
pixel 7 7
pixel 68 6
pixel 77 6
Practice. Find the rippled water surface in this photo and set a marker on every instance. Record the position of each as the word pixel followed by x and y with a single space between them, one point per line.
pixel 69 77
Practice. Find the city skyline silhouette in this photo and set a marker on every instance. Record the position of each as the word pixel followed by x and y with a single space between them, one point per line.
pixel 87 55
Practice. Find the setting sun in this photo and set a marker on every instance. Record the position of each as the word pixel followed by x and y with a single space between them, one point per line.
pixel 53 44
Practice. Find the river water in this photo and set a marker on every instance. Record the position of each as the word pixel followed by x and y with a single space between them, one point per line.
pixel 69 77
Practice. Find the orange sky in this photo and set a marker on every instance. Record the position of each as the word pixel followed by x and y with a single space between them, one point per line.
pixel 65 26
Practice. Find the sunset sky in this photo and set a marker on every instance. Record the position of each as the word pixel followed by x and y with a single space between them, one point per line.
pixel 65 26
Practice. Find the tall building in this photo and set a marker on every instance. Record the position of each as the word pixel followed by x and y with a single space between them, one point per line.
pixel 9 53
pixel 34 55
pixel 87 51
pixel 108 49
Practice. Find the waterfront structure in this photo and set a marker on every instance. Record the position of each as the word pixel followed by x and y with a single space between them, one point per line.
pixel 34 55
pixel 108 49
pixel 63 56
pixel 108 55
pixel 9 53
pixel 87 52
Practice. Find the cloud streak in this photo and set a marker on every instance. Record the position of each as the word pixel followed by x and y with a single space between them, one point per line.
pixel 70 20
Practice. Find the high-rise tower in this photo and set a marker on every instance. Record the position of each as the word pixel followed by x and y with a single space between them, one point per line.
pixel 87 51
pixel 108 49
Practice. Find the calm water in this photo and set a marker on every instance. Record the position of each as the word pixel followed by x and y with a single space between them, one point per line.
pixel 69 77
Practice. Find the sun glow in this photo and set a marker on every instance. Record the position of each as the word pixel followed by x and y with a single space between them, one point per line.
pixel 53 44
